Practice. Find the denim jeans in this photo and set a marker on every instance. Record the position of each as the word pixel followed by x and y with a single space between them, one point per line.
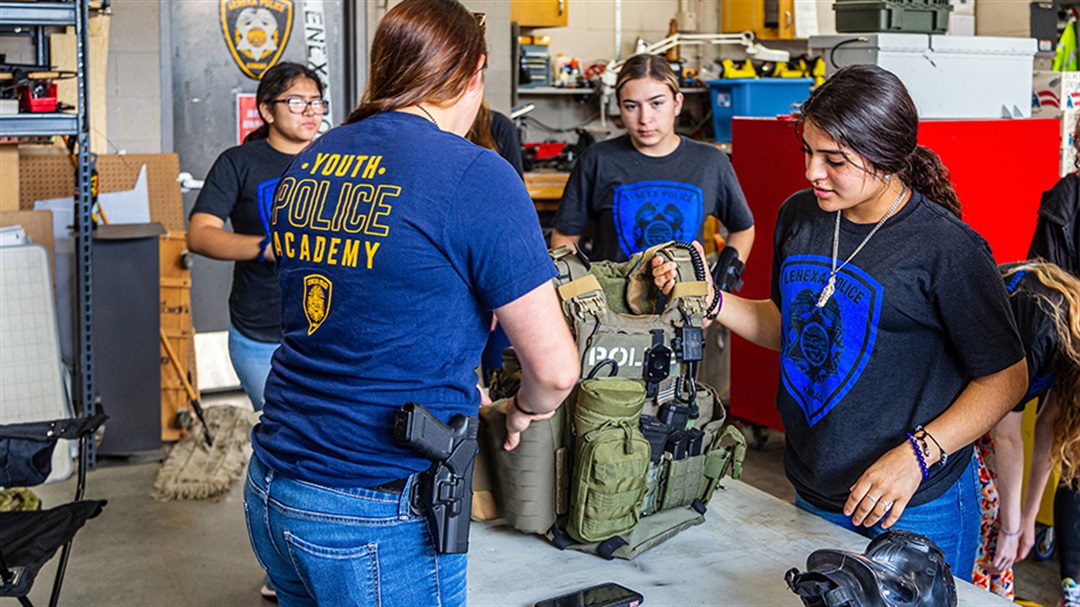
pixel 355 546
pixel 952 521
pixel 251 361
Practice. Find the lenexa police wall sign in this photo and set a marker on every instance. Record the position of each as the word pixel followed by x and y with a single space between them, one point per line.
pixel 256 32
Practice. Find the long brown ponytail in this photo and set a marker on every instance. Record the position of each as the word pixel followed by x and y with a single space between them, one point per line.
pixel 926 173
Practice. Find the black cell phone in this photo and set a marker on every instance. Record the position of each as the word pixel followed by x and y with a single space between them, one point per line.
pixel 602 595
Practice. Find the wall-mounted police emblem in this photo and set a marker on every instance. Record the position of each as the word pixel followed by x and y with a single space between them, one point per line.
pixel 317 291
pixel 256 32
pixel 824 350
pixel 649 213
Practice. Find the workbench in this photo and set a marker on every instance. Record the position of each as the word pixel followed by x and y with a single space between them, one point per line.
pixel 737 557
pixel 546 189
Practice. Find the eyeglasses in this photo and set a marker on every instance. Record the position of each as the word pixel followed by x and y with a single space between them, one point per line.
pixel 299 106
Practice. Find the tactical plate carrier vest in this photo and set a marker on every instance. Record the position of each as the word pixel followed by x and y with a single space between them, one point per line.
pixel 636 451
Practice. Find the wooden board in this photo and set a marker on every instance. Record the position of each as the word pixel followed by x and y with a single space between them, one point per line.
pixel 46 176
pixel 9 177
pixel 175 279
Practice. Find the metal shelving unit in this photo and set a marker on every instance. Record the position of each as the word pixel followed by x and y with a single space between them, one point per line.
pixel 41 15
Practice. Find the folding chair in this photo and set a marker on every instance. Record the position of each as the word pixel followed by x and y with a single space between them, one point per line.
pixel 35 419
pixel 29 539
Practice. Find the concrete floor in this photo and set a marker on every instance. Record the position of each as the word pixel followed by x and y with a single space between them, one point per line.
pixel 141 552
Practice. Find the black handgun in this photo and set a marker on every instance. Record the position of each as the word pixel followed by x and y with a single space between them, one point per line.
pixel 445 489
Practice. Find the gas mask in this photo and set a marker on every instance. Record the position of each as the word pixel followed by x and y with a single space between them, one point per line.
pixel 898 569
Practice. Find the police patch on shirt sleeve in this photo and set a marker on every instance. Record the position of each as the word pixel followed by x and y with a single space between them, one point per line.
pixel 824 350
pixel 648 213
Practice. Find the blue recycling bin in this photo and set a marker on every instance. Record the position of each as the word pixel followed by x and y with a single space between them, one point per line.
pixel 754 97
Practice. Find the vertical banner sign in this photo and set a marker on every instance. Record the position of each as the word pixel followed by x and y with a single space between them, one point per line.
pixel 317 57
pixel 256 32
pixel 247 116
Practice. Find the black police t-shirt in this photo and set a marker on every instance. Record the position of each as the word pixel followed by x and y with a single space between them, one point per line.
pixel 242 178
pixel 915 314
pixel 1037 329
pixel 634 201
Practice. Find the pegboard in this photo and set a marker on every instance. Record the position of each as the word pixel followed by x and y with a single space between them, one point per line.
pixel 47 176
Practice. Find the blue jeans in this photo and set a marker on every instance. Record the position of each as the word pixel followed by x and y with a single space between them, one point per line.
pixel 952 521
pixel 355 546
pixel 251 361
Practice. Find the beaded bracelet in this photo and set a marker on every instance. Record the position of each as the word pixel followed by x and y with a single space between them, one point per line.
pixel 918 454
pixel 926 434
pixel 261 257
pixel 717 303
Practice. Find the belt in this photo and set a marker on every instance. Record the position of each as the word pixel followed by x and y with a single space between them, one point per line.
pixel 395 486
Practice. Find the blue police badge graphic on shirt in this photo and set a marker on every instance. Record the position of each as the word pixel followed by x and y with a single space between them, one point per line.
pixel 825 349
pixel 266 201
pixel 648 213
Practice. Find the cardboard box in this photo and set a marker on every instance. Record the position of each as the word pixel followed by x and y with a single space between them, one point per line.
pixel 1007 18
pixel 1054 92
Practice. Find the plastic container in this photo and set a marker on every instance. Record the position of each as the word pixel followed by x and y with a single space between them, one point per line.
pixel 947 76
pixel 754 97
pixel 44 103
pixel 913 16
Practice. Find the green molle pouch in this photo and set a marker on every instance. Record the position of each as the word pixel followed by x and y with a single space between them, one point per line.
pixel 725 456
pixel 682 480
pixel 611 460
pixel 651 502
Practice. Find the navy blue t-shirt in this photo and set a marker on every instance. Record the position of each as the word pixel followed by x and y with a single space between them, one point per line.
pixel 918 312
pixel 634 201
pixel 395 240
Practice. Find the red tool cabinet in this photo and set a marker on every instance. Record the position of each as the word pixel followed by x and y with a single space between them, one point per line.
pixel 999 168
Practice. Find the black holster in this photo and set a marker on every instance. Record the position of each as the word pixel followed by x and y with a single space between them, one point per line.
pixel 445 489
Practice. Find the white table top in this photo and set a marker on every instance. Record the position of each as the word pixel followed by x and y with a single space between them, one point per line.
pixel 737 557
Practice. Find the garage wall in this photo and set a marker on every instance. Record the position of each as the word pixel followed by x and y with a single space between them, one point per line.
pixel 134 84
pixel 497 79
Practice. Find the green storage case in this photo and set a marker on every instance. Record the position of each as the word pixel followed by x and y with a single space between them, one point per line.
pixel 912 16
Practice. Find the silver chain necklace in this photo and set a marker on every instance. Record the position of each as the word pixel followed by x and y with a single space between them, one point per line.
pixel 830 286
